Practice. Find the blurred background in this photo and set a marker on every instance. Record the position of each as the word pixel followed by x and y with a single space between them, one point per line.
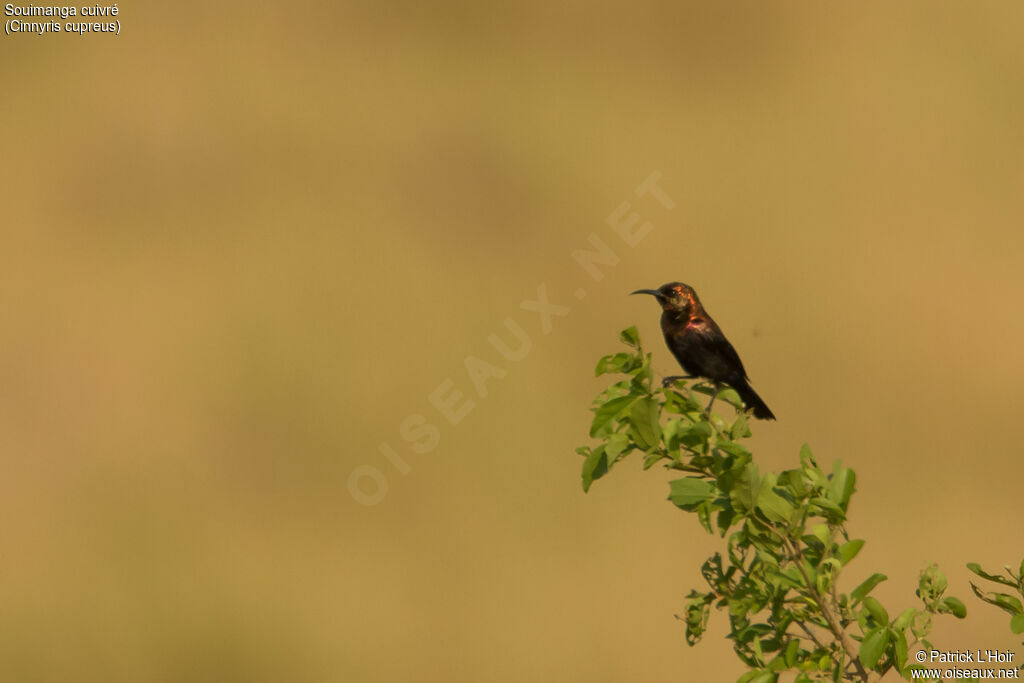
pixel 244 243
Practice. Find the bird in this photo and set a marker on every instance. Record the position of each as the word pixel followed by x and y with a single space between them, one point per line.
pixel 697 342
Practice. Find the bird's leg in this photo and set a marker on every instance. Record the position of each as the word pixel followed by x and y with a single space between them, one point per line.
pixel 718 388
pixel 668 380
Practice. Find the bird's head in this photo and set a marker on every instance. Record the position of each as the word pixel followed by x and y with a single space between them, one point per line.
pixel 675 296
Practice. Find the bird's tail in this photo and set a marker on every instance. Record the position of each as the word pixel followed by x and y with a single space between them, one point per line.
pixel 753 401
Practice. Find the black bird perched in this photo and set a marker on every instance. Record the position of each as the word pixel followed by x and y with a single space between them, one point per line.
pixel 700 347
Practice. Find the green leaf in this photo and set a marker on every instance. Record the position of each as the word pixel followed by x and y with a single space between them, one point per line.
pixel 861 591
pixel 921 627
pixel 609 411
pixel 614 446
pixel 746 488
pixel 619 362
pixel 827 509
pixel 644 415
pixel 679 403
pixel 731 397
pixel 704 517
pixel 724 520
pixel 827 572
pixel 792 650
pixel 703 388
pixel 954 607
pixel 757 676
pixel 594 467
pixel 689 492
pixel 630 337
pixel 931 584
pixel 841 485
pixel 651 459
pixel 905 619
pixel 783 579
pixel 775 507
pixel 695 435
pixel 873 646
pixel 876 611
pixel 796 482
pixel 821 532
pixel 733 449
pixel 697 613
pixel 740 428
pixel 900 649
pixel 1017 623
pixel 669 430
pixel 810 467
pixel 643 374
pixel 618 389
pixel 779 663
pixel 1005 602
pixel 849 550
pixel 976 568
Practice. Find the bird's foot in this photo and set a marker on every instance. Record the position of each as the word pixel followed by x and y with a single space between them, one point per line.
pixel 668 381
pixel 707 411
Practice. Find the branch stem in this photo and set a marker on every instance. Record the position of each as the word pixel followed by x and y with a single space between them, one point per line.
pixel 828 608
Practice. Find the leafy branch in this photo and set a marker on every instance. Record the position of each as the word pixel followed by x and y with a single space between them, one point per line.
pixel 1010 604
pixel 786 543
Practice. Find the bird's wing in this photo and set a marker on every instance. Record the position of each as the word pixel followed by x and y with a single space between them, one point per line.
pixel 727 354
pixel 721 359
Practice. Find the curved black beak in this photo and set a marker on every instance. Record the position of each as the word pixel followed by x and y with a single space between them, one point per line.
pixel 652 292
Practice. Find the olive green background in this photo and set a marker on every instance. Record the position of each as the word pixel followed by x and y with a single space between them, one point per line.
pixel 242 243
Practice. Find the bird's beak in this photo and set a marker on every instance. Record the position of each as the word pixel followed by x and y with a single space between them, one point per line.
pixel 652 292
